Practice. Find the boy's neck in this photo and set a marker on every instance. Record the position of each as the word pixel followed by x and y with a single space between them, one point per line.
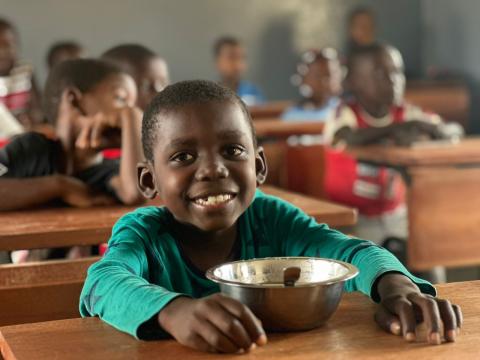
pixel 376 110
pixel 205 249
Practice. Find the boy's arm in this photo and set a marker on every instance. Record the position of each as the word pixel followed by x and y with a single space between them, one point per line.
pixel 117 289
pixel 28 192
pixel 125 184
pixel 381 276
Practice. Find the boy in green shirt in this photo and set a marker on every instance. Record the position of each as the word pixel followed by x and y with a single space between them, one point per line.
pixel 204 163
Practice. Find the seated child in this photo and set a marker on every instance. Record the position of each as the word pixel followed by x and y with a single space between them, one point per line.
pixel 319 81
pixel 231 63
pixel 87 100
pixel 64 50
pixel 376 113
pixel 203 161
pixel 18 93
pixel 149 70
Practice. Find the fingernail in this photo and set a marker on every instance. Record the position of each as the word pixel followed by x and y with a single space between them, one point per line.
pixel 241 351
pixel 458 331
pixel 262 340
pixel 252 347
pixel 410 337
pixel 435 338
pixel 451 335
pixel 395 328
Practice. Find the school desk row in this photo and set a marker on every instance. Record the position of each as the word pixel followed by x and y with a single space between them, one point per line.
pixel 350 334
pixel 449 99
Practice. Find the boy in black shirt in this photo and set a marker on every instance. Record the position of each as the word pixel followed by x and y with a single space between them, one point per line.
pixel 92 105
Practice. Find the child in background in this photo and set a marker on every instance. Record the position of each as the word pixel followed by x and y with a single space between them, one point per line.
pixel 88 100
pixel 376 113
pixel 203 161
pixel 18 92
pixel 64 50
pixel 319 81
pixel 149 70
pixel 231 63
pixel 361 29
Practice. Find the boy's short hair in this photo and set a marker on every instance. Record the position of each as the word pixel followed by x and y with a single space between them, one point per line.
pixel 129 56
pixel 361 10
pixel 61 46
pixel 7 25
pixel 225 41
pixel 180 94
pixel 82 74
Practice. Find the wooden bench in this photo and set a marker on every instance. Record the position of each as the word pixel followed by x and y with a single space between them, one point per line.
pixel 41 291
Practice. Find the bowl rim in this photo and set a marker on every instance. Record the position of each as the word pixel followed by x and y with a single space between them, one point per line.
pixel 351 273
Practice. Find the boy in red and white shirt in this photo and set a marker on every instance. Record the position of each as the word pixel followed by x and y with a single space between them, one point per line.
pixel 376 113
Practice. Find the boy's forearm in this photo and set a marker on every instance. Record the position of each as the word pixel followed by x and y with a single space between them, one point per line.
pixel 132 154
pixel 359 137
pixel 25 193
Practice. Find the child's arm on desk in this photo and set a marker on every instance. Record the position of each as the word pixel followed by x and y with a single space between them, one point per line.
pixel 28 192
pixel 400 134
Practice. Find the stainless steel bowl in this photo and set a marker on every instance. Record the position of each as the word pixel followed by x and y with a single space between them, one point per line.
pixel 280 303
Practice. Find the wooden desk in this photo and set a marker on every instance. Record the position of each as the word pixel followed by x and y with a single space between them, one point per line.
pixel 350 334
pixel 443 200
pixel 57 227
pixel 269 110
pixel 283 129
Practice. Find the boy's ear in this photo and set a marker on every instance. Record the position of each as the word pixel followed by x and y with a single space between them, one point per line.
pixel 261 166
pixel 146 180
pixel 70 101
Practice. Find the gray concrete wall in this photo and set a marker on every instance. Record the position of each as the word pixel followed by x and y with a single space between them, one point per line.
pixel 275 31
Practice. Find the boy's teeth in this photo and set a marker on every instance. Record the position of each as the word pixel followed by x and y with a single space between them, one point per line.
pixel 214 200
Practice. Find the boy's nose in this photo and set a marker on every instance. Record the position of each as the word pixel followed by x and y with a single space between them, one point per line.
pixel 211 170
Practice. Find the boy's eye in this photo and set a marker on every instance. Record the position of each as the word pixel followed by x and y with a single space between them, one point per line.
pixel 182 157
pixel 234 151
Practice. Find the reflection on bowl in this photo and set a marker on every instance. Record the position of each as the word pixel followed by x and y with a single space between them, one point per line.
pixel 285 304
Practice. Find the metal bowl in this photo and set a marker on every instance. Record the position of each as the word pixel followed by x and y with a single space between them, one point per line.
pixel 283 303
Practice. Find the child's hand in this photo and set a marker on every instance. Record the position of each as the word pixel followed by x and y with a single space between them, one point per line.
pixel 76 193
pixel 215 323
pixel 405 134
pixel 93 134
pixel 403 306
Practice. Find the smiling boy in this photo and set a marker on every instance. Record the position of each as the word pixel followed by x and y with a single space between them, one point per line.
pixel 202 160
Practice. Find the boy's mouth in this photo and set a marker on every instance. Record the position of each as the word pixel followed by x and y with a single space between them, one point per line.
pixel 213 200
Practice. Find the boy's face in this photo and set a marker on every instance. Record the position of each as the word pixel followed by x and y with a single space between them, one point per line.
pixel 379 78
pixel 232 62
pixel 325 79
pixel 205 167
pixel 8 51
pixel 151 79
pixel 114 92
pixel 362 29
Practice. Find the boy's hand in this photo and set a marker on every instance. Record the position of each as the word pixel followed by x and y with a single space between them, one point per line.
pixel 403 306
pixel 215 323
pixel 405 134
pixel 76 193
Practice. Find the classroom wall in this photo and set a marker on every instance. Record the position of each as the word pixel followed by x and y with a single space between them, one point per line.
pixel 275 31
pixel 450 36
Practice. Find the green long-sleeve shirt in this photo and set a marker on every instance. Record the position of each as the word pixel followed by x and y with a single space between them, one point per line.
pixel 144 269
